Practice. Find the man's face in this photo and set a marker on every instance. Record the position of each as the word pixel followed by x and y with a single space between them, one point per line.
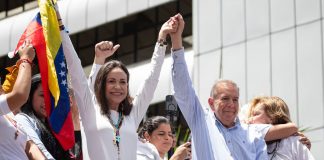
pixel 225 103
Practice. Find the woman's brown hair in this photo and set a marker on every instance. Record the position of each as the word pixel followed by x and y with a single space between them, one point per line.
pixel 274 107
pixel 100 86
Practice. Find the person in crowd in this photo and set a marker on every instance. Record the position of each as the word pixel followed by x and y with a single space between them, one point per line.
pixel 109 115
pixel 34 119
pixel 156 139
pixel 215 129
pixel 76 151
pixel 14 142
pixel 273 110
pixel 207 142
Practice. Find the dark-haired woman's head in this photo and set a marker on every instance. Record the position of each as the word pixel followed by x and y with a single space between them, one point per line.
pixel 35 104
pixel 35 108
pixel 111 88
pixel 157 130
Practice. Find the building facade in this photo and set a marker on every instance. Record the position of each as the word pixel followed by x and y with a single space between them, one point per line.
pixel 269 47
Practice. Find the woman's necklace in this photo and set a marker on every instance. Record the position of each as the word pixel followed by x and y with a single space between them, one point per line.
pixel 275 149
pixel 116 128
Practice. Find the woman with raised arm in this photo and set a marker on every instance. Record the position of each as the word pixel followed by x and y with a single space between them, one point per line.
pixel 109 115
pixel 14 142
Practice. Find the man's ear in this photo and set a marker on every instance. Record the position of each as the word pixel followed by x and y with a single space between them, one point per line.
pixel 211 103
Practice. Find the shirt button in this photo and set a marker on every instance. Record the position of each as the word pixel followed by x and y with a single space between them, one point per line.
pixel 228 141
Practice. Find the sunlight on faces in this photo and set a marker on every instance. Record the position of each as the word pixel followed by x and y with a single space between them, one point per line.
pixel 38 102
pixel 161 138
pixel 259 116
pixel 225 104
pixel 116 87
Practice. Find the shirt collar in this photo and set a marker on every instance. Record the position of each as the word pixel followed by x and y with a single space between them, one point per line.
pixel 219 123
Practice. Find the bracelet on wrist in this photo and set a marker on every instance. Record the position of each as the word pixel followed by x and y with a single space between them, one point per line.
pixel 24 60
pixel 162 42
pixel 62 27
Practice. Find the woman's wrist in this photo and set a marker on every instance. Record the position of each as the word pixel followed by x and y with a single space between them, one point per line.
pixel 162 42
pixel 162 39
pixel 24 60
pixel 99 61
pixel 162 35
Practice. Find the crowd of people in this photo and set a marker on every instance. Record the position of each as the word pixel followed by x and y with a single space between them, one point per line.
pixel 108 117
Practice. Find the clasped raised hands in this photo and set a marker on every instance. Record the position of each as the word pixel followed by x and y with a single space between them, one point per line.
pixel 168 27
pixel 174 27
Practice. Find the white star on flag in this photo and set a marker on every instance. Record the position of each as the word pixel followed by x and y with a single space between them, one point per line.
pixel 63 82
pixel 62 64
pixel 62 73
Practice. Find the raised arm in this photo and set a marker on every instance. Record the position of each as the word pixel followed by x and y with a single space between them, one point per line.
pixel 184 91
pixel 103 50
pixel 19 94
pixel 83 94
pixel 146 90
pixel 176 37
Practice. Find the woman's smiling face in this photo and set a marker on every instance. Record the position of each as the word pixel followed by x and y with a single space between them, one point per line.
pixel 116 87
pixel 38 102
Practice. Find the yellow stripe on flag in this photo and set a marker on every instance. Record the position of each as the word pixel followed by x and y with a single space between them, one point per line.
pixel 53 41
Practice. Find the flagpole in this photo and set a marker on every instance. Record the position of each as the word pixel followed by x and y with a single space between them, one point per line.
pixel 58 15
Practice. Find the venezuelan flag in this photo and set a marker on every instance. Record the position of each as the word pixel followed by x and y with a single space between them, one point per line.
pixel 44 33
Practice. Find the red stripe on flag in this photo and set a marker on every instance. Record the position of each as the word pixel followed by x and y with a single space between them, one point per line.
pixel 34 32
